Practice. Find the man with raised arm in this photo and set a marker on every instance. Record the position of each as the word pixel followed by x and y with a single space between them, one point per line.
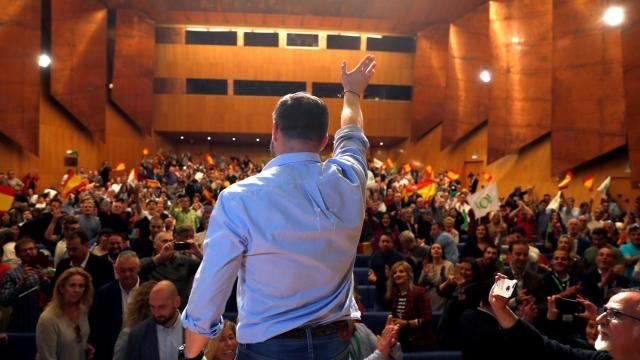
pixel 289 234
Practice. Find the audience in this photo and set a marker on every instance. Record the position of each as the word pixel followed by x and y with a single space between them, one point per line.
pixel 223 347
pixel 435 271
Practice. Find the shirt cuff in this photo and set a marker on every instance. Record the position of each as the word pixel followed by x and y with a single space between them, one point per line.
pixel 191 324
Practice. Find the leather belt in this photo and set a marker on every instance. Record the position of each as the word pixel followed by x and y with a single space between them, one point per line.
pixel 320 330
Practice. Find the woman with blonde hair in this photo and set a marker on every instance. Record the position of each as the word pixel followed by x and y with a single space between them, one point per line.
pixel 137 310
pixel 410 308
pixel 63 328
pixel 223 347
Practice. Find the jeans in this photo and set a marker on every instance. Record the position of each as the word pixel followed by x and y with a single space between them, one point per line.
pixel 330 347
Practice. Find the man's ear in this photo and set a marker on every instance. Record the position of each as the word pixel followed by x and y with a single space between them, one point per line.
pixel 324 143
pixel 274 131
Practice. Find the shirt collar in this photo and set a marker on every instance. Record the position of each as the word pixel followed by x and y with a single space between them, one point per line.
pixel 133 288
pixel 84 263
pixel 291 158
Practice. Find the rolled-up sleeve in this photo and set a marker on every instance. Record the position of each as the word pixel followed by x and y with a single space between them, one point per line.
pixel 349 148
pixel 224 246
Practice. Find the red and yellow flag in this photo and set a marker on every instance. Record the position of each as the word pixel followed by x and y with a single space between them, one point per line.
pixel 153 183
pixel 120 166
pixel 426 189
pixel 453 175
pixel 407 167
pixel 487 177
pixel 209 159
pixel 206 194
pixel 565 182
pixel 588 182
pixel 7 194
pixel 72 184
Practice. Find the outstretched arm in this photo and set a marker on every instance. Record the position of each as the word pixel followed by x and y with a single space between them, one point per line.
pixel 354 83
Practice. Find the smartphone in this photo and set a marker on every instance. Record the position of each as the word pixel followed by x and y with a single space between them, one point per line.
pixel 569 306
pixel 40 260
pixel 181 246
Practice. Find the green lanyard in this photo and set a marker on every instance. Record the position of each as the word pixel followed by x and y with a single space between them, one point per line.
pixel 357 355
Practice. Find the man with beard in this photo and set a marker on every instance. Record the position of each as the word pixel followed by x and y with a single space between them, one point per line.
pixel 161 333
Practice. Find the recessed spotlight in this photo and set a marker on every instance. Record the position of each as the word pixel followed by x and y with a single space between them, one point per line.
pixel 44 61
pixel 381 143
pixel 181 137
pixel 614 16
pixel 209 138
pixel 258 139
pixel 485 76
pixel 110 85
pixel 233 139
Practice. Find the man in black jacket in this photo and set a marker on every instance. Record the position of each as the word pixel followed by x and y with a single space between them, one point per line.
pixel 110 302
pixel 100 269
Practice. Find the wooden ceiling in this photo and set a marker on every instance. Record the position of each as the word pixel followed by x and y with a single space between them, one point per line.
pixel 379 16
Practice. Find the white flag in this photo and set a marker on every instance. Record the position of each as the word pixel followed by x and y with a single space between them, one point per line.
pixel 485 200
pixel 377 163
pixel 604 187
pixel 555 202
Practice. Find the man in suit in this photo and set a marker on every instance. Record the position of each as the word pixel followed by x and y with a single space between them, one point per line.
pixel 529 287
pixel 109 305
pixel 162 333
pixel 601 283
pixel 100 269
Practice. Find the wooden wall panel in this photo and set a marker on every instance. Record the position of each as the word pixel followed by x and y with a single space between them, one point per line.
pixel 252 114
pixel 284 64
pixel 467 98
pixel 631 64
pixel 133 67
pixel 588 92
pixel 20 75
pixel 521 46
pixel 429 79
pixel 79 67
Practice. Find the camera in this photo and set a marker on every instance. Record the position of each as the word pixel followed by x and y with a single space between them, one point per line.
pixel 181 246
pixel 569 306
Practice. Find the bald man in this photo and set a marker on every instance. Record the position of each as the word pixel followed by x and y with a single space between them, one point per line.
pixel 159 336
pixel 619 327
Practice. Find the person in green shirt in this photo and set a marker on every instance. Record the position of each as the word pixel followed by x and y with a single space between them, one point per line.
pixel 184 214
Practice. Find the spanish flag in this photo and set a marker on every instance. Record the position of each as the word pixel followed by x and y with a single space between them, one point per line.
pixel 565 182
pixel 153 183
pixel 207 195
pixel 7 194
pixel 391 166
pixel 74 183
pixel 429 172
pixel 588 182
pixel 487 177
pixel 426 189
pixel 209 159
pixel 120 166
pixel 407 167
pixel 453 175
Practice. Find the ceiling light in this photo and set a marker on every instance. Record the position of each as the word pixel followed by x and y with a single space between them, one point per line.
pixel 485 76
pixel 110 85
pixel 381 143
pixel 614 16
pixel 515 39
pixel 181 137
pixel 258 139
pixel 209 138
pixel 233 139
pixel 44 61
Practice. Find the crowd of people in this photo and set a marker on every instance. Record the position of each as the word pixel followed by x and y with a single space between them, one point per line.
pixel 93 272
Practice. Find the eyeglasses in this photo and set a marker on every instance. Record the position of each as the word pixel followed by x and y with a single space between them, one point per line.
pixel 615 314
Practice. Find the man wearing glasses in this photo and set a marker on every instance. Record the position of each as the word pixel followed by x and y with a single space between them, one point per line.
pixel 619 327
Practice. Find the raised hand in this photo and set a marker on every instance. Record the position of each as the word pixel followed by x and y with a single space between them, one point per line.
pixel 357 79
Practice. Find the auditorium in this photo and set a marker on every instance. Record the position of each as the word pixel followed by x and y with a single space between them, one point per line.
pixel 320 179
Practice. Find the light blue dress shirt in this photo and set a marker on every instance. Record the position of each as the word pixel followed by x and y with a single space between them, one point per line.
pixel 290 235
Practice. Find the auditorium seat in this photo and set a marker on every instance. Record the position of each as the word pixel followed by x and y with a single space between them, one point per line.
pixel 362 261
pixel 361 275
pixel 461 248
pixel 20 346
pixel 367 296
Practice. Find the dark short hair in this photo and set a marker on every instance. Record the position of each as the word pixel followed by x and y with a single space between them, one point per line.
pixel 518 230
pixel 183 231
pixel 105 231
pixel 22 242
pixel 517 242
pixel 633 228
pixel 302 116
pixel 599 231
pixel 79 234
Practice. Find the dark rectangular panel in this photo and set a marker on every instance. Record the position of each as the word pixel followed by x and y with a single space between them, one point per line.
pixel 20 75
pixel 388 92
pixel 79 67
pixel 169 86
pixel 467 98
pixel 267 88
pixel 211 37
pixel 344 42
pixel 170 35
pixel 391 44
pixel 132 78
pixel 429 79
pixel 588 90
pixel 327 90
pixel 207 86
pixel 303 40
pixel 261 39
pixel 521 47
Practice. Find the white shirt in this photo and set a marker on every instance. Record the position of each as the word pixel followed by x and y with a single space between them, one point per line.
pixel 169 339
pixel 60 252
pixel 125 296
